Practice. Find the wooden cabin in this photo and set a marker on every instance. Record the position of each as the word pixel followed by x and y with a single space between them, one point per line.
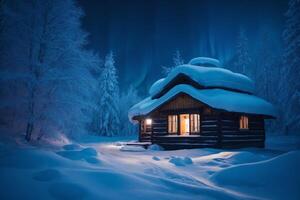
pixel 199 105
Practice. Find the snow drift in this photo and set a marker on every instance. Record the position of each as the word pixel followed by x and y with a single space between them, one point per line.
pixel 277 178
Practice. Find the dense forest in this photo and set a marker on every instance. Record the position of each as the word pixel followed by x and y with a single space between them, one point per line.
pixel 53 83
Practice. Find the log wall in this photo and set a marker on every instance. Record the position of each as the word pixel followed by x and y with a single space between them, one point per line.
pixel 233 137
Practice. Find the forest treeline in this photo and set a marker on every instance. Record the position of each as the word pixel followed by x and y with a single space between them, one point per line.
pixel 274 66
pixel 52 85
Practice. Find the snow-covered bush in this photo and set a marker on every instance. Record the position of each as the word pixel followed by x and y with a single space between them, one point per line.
pixel 155 147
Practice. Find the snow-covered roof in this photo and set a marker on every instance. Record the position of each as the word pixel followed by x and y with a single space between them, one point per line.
pixel 211 77
pixel 216 98
pixel 204 61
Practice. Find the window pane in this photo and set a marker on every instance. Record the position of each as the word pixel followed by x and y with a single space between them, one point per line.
pixel 244 122
pixel 169 124
pixel 172 124
pixel 195 123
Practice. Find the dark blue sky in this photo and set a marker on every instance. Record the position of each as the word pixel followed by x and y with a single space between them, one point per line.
pixel 144 34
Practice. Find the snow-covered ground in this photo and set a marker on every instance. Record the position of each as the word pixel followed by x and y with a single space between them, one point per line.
pixel 110 170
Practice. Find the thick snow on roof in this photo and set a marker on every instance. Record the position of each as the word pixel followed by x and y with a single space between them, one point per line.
pixel 215 98
pixel 207 77
pixel 203 61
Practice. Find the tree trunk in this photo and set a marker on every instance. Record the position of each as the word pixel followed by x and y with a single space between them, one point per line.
pixel 31 118
pixel 29 130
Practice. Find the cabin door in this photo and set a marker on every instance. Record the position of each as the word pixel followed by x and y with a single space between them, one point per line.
pixel 184 124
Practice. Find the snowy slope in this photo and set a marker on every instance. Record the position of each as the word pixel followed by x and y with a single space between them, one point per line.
pixel 208 77
pixel 215 98
pixel 105 171
pixel 277 178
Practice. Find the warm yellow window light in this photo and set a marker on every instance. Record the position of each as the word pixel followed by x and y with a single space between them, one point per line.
pixel 244 122
pixel 148 121
pixel 172 123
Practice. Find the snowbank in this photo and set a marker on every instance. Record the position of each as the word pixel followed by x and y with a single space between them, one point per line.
pixel 231 101
pixel 132 148
pixel 155 147
pixel 207 77
pixel 180 161
pixel 277 178
pixel 87 154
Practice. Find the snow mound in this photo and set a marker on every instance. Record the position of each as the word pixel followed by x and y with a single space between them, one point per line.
pixel 278 177
pixel 231 101
pixel 155 158
pixel 244 157
pixel 205 61
pixel 180 161
pixel 132 148
pixel 47 175
pixel 228 158
pixel 70 147
pixel 206 77
pixel 87 154
pixel 239 157
pixel 155 147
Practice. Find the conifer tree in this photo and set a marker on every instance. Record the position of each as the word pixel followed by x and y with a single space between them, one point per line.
pixel 177 60
pixel 243 61
pixel 290 84
pixel 109 101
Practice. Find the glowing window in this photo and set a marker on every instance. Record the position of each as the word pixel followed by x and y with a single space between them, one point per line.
pixel 195 123
pixel 148 122
pixel 244 122
pixel 172 124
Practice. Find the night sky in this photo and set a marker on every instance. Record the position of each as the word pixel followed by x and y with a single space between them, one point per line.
pixel 144 34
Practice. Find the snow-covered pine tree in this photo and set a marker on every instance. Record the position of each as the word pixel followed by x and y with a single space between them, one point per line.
pixel 265 72
pixel 94 126
pixel 290 81
pixel 242 64
pixel 177 60
pixel 3 4
pixel 109 101
pixel 127 100
pixel 264 63
pixel 46 71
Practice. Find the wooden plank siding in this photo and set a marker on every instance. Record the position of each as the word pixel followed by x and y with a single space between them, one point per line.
pixel 234 137
pixel 218 129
